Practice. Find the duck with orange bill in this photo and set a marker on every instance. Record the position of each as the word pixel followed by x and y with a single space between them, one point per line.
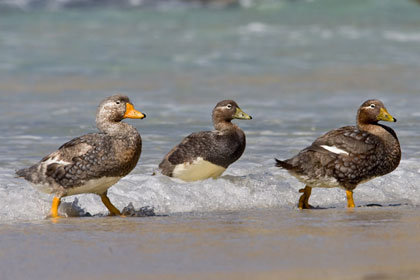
pixel 94 162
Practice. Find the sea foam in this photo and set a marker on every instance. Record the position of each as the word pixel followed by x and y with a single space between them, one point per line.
pixel 243 186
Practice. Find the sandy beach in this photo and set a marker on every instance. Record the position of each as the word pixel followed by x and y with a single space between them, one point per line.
pixel 366 243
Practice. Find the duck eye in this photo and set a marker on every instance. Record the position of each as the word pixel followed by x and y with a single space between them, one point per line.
pixel 229 106
pixel 117 102
pixel 372 106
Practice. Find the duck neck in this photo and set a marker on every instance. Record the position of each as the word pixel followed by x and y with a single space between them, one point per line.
pixel 382 131
pixel 223 125
pixel 115 128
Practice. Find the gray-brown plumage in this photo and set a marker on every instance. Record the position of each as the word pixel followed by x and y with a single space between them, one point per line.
pixel 347 156
pixel 93 162
pixel 207 154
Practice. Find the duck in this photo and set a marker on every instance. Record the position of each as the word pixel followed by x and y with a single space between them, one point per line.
pixel 347 156
pixel 94 162
pixel 207 154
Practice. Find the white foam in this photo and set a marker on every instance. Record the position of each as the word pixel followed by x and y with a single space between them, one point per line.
pixel 402 36
pixel 254 27
pixel 243 186
pixel 28 137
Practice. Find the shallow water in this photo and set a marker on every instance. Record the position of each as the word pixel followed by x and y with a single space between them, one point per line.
pixel 300 68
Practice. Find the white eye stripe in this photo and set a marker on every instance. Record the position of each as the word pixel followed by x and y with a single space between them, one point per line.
pixel 371 106
pixel 229 106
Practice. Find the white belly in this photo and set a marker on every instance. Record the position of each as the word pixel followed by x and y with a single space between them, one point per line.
pixel 97 186
pixel 199 169
pixel 321 182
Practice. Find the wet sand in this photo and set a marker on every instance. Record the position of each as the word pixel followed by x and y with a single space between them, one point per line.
pixel 367 243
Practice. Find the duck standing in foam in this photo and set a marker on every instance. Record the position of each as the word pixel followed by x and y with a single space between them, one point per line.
pixel 94 162
pixel 348 156
pixel 207 154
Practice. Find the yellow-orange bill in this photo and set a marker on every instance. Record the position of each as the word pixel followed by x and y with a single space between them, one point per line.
pixel 132 113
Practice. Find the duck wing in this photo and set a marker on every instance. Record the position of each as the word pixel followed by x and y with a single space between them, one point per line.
pixel 81 159
pixel 216 147
pixel 346 154
pixel 345 141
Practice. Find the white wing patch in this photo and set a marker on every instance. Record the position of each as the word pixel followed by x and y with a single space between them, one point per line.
pixel 43 166
pixel 199 169
pixel 55 159
pixel 334 149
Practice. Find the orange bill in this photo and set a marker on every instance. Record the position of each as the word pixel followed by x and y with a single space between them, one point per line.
pixel 132 113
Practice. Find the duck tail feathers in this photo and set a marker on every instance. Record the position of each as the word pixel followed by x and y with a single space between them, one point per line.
pixel 283 164
pixel 20 173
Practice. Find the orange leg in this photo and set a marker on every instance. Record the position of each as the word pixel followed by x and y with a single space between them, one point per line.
pixel 350 201
pixel 54 208
pixel 304 198
pixel 112 209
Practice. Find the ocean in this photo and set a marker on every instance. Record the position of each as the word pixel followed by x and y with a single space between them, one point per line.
pixel 299 68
